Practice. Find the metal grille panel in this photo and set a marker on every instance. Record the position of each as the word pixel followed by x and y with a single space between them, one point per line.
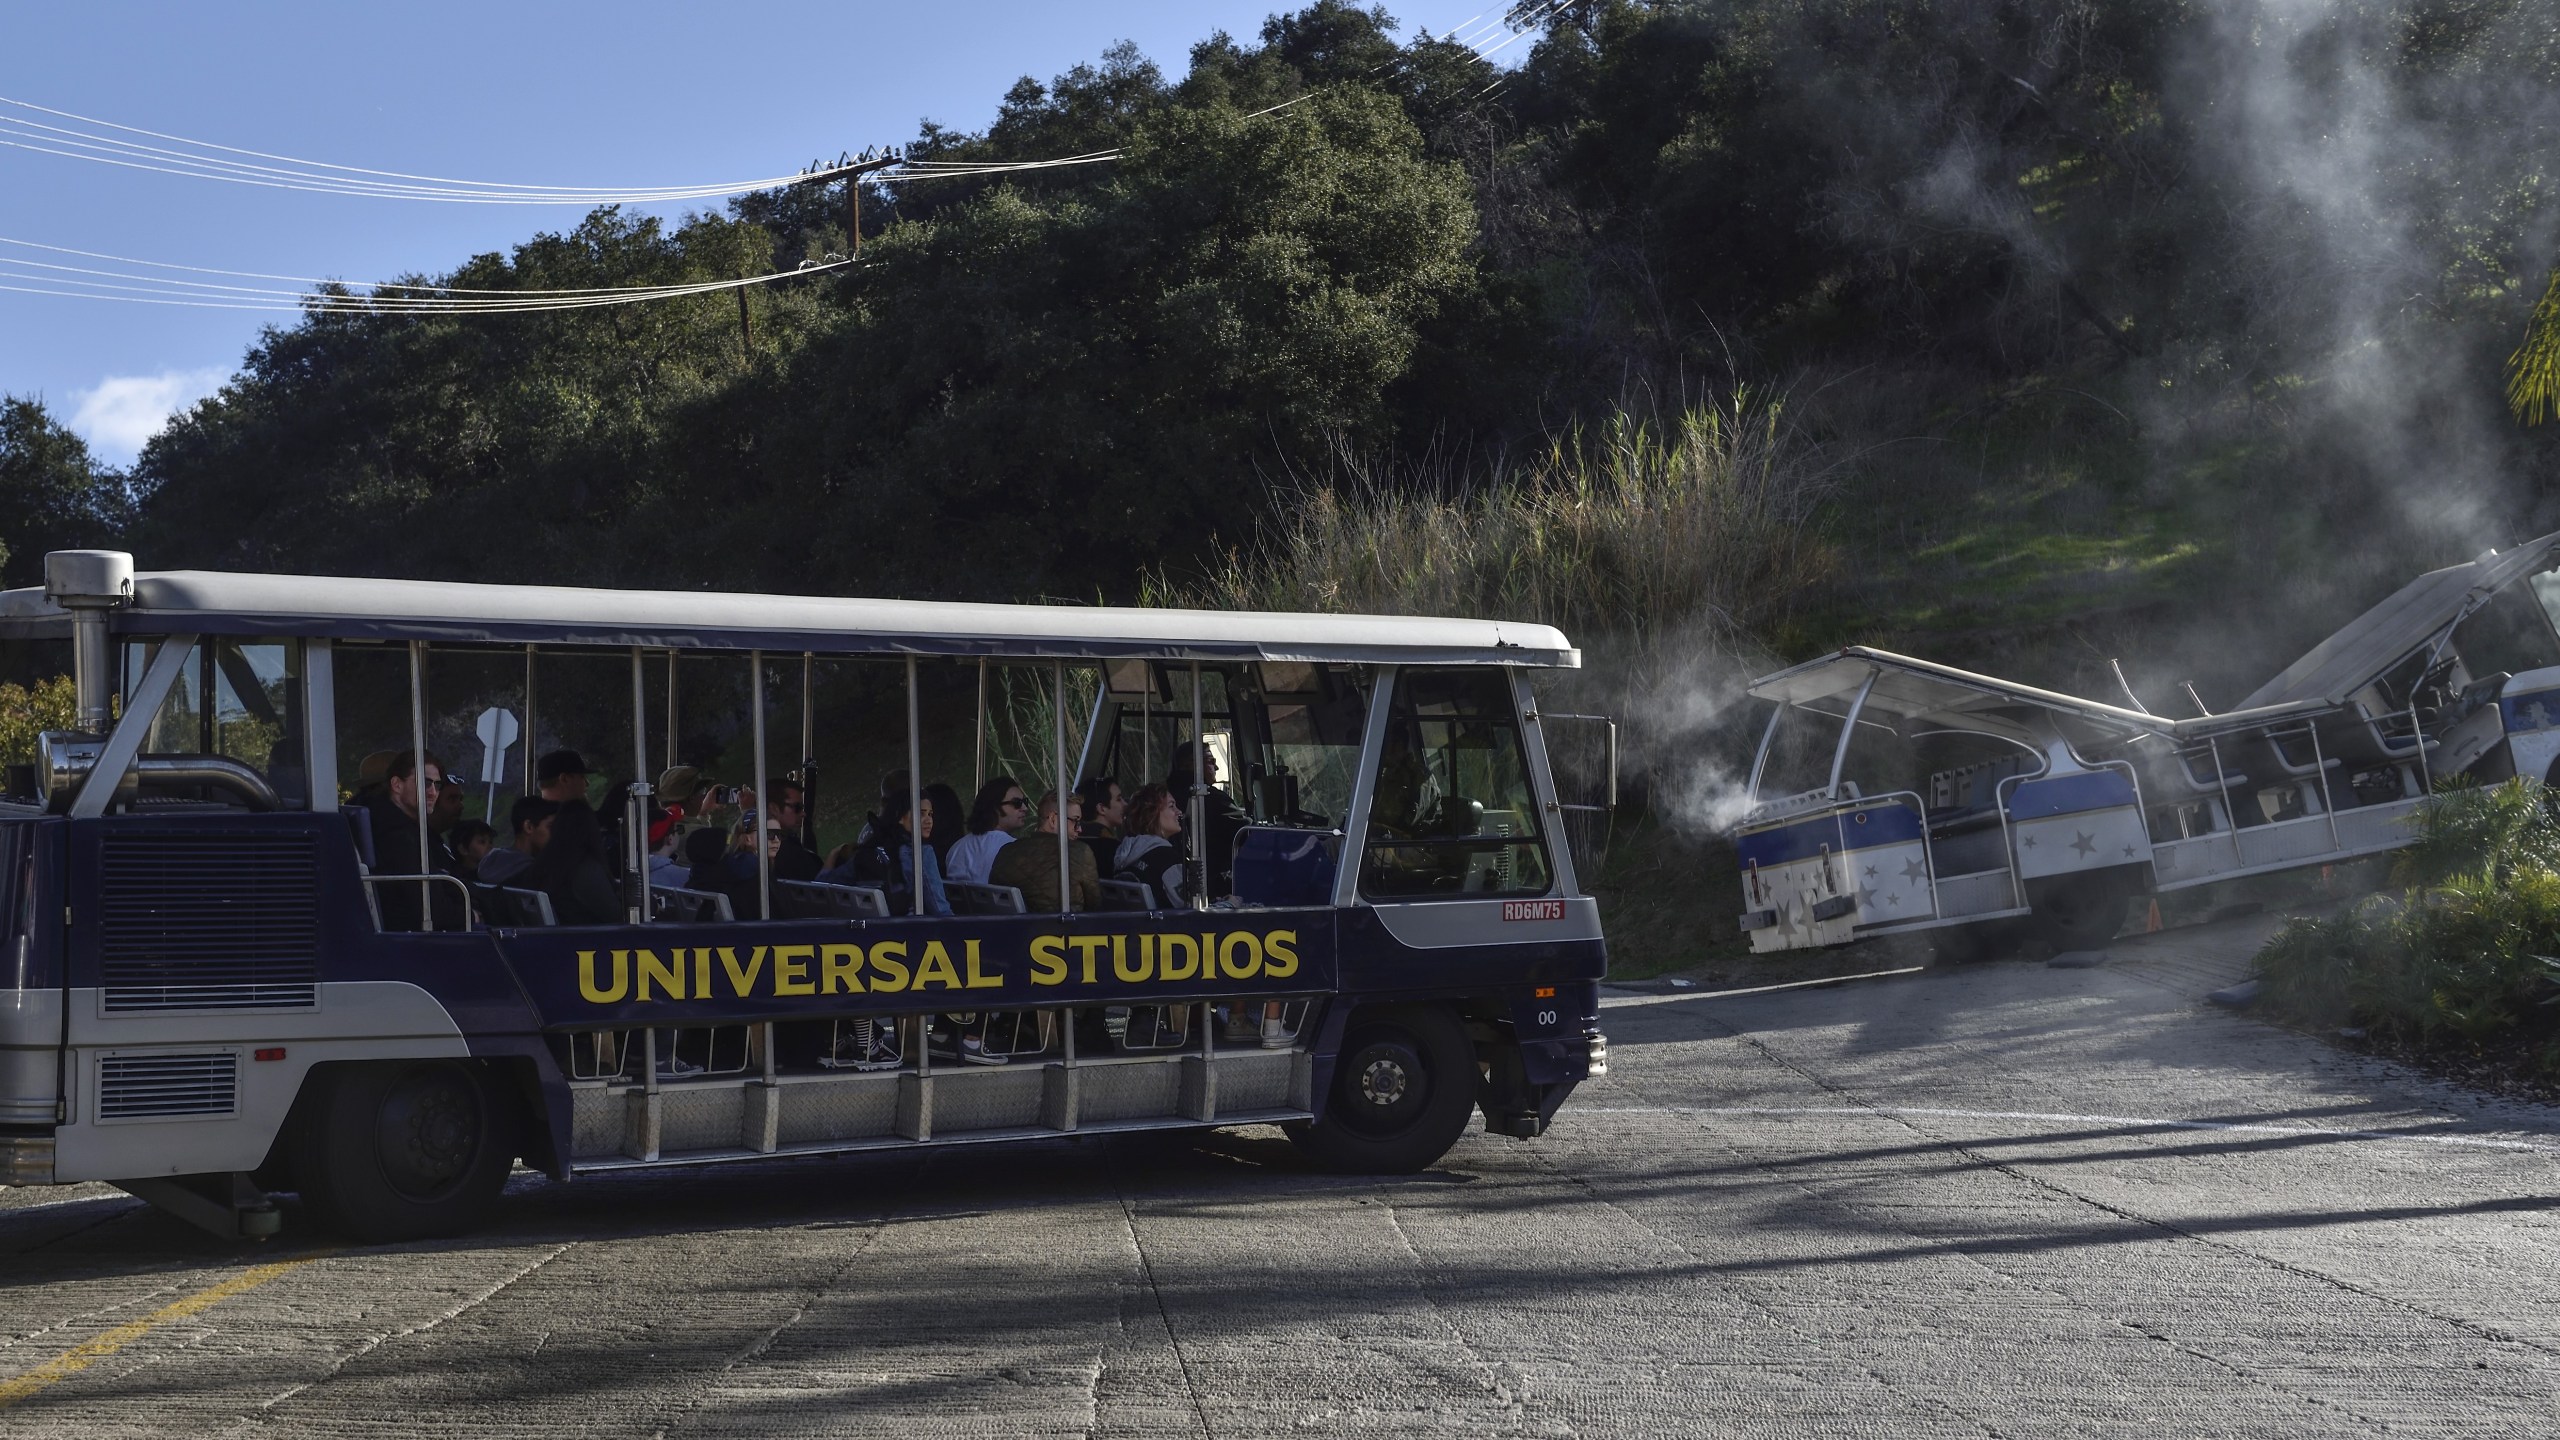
pixel 1127 1092
pixel 209 918
pixel 131 1087
pixel 986 1099
pixel 1254 1080
pixel 849 1109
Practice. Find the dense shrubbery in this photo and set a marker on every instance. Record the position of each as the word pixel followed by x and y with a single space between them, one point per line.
pixel 2305 235
pixel 2465 958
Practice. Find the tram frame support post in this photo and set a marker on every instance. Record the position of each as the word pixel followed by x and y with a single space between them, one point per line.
pixel 764 793
pixel 418 781
pixel 915 796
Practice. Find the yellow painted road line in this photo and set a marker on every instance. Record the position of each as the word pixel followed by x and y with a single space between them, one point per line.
pixel 80 1357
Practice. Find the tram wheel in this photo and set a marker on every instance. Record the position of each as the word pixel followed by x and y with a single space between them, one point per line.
pixel 1403 1091
pixel 404 1150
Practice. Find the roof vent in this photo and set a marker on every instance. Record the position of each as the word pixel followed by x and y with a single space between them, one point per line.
pixel 88 579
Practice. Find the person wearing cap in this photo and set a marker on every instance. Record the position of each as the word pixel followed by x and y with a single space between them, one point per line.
pixel 561 777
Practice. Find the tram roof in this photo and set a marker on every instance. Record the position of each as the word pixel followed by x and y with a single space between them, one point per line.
pixel 227 603
pixel 1910 689
pixel 2406 622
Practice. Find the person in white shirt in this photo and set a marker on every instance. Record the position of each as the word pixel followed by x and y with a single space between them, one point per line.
pixel 1000 809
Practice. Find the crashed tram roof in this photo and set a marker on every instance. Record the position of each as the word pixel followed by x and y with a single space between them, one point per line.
pixel 224 603
pixel 2369 646
pixel 1906 688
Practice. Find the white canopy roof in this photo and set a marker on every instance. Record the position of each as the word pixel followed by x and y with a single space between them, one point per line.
pixel 223 603
pixel 1906 689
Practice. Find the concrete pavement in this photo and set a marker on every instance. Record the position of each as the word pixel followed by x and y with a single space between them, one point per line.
pixel 2000 1200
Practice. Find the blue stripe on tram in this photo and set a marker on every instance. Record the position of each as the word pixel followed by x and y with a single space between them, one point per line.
pixel 1858 830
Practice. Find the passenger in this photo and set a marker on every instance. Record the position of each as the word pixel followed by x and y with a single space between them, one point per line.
pixel 664 866
pixel 1106 809
pixel 561 777
pixel 875 826
pixel 447 812
pixel 706 857
pixel 875 863
pixel 743 883
pixel 1150 854
pixel 1218 866
pixel 950 822
pixel 994 816
pixel 528 824
pixel 372 773
pixel 396 852
pixel 686 794
pixel 571 870
pixel 792 860
pixel 470 841
pixel 1032 867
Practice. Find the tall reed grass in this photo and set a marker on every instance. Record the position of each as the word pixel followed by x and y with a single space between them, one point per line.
pixel 1666 545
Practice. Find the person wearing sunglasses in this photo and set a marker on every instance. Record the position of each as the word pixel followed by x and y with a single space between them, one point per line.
pixel 999 812
pixel 395 845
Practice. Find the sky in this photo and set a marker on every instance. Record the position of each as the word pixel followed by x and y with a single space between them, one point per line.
pixel 635 93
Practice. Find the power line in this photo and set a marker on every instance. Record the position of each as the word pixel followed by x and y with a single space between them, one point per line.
pixel 209 160
pixel 94 283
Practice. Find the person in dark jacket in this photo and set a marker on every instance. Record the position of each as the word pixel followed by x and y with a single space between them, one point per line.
pixel 792 860
pixel 571 870
pixel 396 851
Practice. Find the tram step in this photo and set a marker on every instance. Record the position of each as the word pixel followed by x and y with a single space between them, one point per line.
pixel 587 1165
pixel 619 1122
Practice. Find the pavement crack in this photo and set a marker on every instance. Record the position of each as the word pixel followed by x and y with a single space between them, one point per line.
pixel 1488 1375
pixel 1147 1274
pixel 373 1343
pixel 697 1392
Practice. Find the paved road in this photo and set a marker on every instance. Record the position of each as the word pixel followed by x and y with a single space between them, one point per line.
pixel 2006 1200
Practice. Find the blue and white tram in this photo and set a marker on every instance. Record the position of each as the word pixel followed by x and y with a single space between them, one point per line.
pixel 201 1002
pixel 1892 794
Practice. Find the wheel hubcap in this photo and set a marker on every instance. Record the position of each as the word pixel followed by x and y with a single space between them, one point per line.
pixel 1383 1082
pixel 429 1133
pixel 1385 1086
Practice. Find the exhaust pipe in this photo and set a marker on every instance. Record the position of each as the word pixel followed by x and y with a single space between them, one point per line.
pixel 89 583
pixel 64 760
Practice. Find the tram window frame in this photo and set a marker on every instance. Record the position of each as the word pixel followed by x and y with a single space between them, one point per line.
pixel 1500 718
pixel 209 696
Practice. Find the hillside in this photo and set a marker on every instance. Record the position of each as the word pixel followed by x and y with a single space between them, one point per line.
pixel 2157 330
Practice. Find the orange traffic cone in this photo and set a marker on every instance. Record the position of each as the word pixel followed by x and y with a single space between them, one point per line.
pixel 2151 922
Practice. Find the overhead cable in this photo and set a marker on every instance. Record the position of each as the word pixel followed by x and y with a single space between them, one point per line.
pixel 208 160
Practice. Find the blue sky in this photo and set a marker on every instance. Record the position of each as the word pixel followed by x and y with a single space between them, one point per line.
pixel 633 93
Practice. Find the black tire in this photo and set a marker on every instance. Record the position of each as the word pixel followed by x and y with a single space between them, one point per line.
pixel 2082 913
pixel 1403 1092
pixel 404 1150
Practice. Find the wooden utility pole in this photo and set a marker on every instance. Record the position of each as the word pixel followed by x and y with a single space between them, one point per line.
pixel 853 195
pixel 746 328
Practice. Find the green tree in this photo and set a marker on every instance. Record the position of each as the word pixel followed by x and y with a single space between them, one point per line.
pixel 53 493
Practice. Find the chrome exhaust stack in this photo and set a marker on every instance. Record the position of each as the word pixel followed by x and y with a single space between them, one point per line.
pixel 89 583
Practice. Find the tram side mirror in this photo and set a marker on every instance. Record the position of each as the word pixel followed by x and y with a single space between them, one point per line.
pixel 1607 799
